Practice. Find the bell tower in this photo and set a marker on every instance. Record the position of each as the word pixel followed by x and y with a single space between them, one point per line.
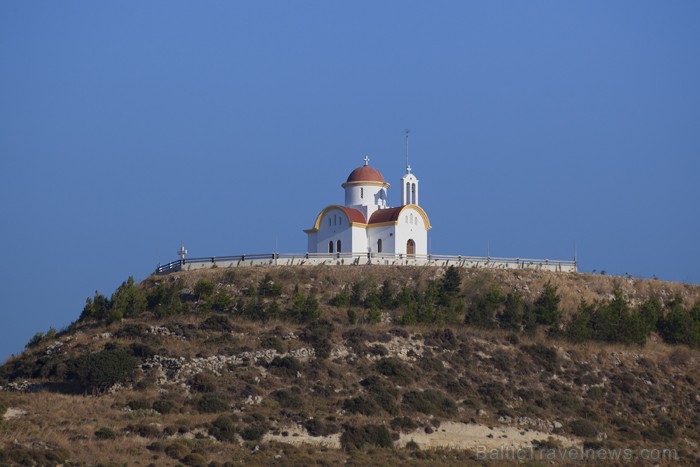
pixel 409 183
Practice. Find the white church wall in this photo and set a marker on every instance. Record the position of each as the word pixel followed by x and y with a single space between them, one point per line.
pixel 386 234
pixel 366 198
pixel 334 226
pixel 359 240
pixel 411 226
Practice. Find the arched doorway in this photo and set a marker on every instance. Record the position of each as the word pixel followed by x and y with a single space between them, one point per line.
pixel 410 247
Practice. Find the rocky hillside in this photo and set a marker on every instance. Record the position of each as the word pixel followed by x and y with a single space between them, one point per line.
pixel 364 366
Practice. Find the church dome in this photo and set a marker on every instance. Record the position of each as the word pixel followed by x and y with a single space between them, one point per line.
pixel 365 174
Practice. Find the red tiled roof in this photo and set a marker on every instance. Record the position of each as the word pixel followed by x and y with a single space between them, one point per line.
pixel 385 215
pixel 365 174
pixel 353 214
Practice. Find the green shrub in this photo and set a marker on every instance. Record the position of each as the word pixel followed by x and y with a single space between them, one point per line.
pixel 546 306
pixel 105 433
pixel 223 429
pixel 273 342
pixel 203 289
pixel 316 427
pixel 482 311
pixel 269 288
pixel 144 430
pixel 403 424
pixel 543 355
pixel 666 429
pixel 493 393
pixel 139 404
pixel 195 460
pixel 203 382
pixel 165 299
pixel 305 309
pixel 285 366
pixel 395 370
pixel 221 301
pixel 164 406
pixel 318 334
pixel 216 323
pixel 451 282
pixel 288 399
pixel 387 299
pixel 511 315
pixel 210 403
pixel 132 331
pixel 177 450
pixel 361 405
pixel 99 371
pixel 357 437
pixel 254 432
pixel 584 428
pixel 342 299
pixel 429 402
pixel 383 394
pixel 443 339
pixel 680 326
pixel 128 300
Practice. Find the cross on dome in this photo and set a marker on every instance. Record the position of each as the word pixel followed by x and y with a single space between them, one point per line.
pixel 366 160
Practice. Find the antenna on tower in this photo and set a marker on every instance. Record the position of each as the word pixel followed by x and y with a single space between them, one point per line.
pixel 408 167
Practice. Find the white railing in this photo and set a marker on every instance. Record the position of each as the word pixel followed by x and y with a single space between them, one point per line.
pixel 338 259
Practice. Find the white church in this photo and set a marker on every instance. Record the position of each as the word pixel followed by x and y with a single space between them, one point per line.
pixel 366 223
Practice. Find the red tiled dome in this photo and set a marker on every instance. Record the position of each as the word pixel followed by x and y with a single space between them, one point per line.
pixel 365 174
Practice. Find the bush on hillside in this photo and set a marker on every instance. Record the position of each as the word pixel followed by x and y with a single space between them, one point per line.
pixel 451 282
pixel 429 402
pixel 546 306
pixel 99 371
pixel 254 432
pixel 166 299
pixel 285 366
pixel 105 433
pixel 680 326
pixel 204 289
pixel 316 427
pixel 216 323
pixel 268 288
pixel 483 309
pixel 357 437
pixel 584 428
pixel 394 369
pixel 211 403
pixel 223 429
pixel 543 355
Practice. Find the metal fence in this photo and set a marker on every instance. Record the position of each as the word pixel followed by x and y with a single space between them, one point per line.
pixel 338 259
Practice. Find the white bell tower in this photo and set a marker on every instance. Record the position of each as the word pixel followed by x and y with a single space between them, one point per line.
pixel 409 183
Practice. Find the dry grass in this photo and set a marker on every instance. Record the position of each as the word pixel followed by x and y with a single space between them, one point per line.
pixel 640 386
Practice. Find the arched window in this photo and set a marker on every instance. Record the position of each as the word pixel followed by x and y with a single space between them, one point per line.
pixel 330 246
pixel 340 220
pixel 408 194
pixel 413 193
pixel 362 192
pixel 329 221
pixel 379 245
pixel 338 249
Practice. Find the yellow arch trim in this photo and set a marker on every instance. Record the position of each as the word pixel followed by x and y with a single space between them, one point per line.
pixel 319 218
pixel 422 213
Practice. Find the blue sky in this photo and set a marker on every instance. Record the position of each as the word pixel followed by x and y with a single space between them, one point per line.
pixel 129 127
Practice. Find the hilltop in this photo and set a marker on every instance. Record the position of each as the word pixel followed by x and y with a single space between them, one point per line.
pixel 361 365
